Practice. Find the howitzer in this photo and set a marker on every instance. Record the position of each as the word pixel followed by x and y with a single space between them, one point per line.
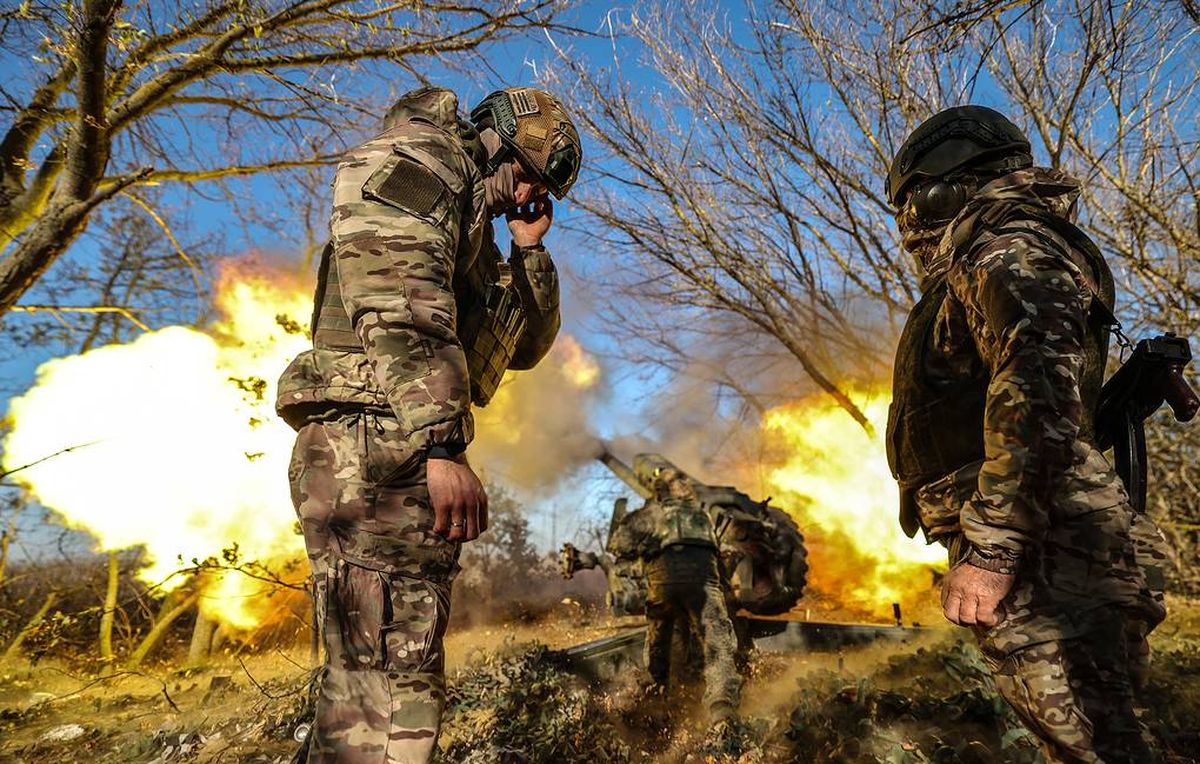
pixel 761 549
pixel 1153 375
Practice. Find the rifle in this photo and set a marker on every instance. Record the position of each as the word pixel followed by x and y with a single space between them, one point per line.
pixel 1153 375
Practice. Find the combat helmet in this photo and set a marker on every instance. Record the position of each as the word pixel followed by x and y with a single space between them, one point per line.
pixel 962 136
pixel 534 127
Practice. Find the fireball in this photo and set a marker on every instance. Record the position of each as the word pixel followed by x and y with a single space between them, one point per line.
pixel 171 442
pixel 833 477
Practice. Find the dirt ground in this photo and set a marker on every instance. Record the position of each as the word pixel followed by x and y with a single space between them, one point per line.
pixel 922 701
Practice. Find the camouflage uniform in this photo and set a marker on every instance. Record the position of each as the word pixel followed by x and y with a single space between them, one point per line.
pixel 674 539
pixel 990 435
pixel 387 380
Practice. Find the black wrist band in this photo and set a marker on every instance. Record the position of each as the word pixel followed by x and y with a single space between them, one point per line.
pixel 995 563
pixel 445 450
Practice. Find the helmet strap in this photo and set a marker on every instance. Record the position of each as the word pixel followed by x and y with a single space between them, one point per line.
pixel 498 151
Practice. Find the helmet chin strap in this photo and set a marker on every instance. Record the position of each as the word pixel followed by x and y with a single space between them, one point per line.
pixel 499 185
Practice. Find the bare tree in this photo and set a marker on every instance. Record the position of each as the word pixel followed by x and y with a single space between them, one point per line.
pixel 750 182
pixel 129 96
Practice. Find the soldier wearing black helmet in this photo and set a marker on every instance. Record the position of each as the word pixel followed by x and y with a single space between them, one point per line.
pixel 991 436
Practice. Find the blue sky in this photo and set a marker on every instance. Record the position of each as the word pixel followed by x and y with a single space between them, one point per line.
pixel 629 404
pixel 582 498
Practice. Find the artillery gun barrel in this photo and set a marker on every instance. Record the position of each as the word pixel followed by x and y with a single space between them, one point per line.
pixel 626 473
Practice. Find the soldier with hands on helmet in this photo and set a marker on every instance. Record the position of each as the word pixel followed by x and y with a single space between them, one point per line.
pixel 991 434
pixel 673 536
pixel 417 316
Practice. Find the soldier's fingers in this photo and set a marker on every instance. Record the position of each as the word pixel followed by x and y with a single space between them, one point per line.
pixel 967 610
pixel 951 605
pixel 988 614
pixel 441 517
pixel 458 517
pixel 471 529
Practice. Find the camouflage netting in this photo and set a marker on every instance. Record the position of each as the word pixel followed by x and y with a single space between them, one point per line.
pixel 517 706
pixel 936 704
pixel 509 707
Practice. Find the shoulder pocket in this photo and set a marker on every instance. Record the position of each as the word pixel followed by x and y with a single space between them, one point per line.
pixel 415 182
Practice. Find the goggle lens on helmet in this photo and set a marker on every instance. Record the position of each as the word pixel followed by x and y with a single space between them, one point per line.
pixel 561 168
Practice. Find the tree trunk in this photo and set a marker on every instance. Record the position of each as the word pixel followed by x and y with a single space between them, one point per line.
pixel 31 625
pixel 202 639
pixel 5 541
pixel 158 631
pixel 110 609
pixel 26 262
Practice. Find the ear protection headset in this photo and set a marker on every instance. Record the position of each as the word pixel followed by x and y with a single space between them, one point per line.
pixel 940 200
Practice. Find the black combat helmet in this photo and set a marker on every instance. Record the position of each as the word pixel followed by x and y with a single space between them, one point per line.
pixel 960 136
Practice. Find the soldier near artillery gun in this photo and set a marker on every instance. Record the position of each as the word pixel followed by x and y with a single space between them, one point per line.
pixel 674 540
pixel 994 439
pixel 762 558
pixel 417 317
pixel 762 553
pixel 626 594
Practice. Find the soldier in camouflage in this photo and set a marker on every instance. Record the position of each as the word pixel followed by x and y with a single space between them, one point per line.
pixel 991 435
pixel 673 537
pixel 417 316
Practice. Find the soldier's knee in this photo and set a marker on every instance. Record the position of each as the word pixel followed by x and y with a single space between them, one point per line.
pixel 382 621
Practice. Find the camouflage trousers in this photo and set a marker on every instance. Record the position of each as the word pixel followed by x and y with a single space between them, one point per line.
pixel 1069 668
pixel 382 582
pixel 1077 697
pixel 684 593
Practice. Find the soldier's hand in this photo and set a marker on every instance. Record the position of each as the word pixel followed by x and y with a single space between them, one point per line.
pixel 459 502
pixel 529 222
pixel 971 596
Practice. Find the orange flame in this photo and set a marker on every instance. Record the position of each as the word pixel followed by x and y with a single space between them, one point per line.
pixel 171 442
pixel 833 477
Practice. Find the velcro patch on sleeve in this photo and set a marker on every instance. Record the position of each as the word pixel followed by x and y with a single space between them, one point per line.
pixel 407 185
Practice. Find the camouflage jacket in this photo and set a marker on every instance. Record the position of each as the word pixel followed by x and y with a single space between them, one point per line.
pixel 409 226
pixel 645 532
pixel 1015 315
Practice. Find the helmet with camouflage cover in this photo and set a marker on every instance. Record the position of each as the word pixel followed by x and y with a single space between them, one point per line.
pixel 974 137
pixel 534 127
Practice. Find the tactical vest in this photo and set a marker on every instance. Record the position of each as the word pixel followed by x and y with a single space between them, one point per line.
pixel 491 318
pixel 684 522
pixel 935 422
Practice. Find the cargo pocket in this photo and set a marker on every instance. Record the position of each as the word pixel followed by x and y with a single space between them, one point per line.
pixel 356 606
pixel 387 456
pixel 419 611
pixel 1083 556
